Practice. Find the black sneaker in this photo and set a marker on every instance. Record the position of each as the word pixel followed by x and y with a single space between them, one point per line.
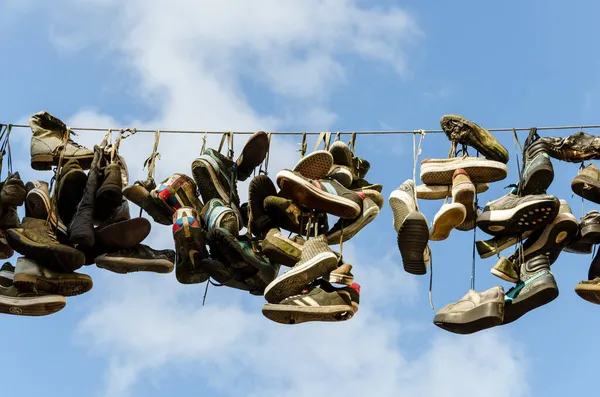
pixel 140 258
pixel 538 172
pixel 253 153
pixel 215 177
pixel 260 188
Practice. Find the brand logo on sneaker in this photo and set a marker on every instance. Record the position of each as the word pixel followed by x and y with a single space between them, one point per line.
pixel 15 310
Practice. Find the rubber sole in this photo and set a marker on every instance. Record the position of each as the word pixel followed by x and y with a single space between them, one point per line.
pixel 131 265
pixel 412 240
pixel 503 276
pixel 590 234
pixel 315 165
pixel 136 194
pixel 124 234
pixel 532 215
pixel 554 238
pixel 440 192
pixel 587 188
pixel 590 293
pixel 304 193
pixel 253 154
pixel 539 180
pixel 342 175
pixel 470 220
pixel 288 314
pixel 294 280
pixel 448 220
pixel 32 306
pixel 483 171
pixel 65 284
pixel 207 181
pixel 545 293
pixel 482 317
pixel 44 162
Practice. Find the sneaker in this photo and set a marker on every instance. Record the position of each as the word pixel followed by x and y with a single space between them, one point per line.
pixel 48 134
pixel 574 148
pixel 140 258
pixel 360 168
pixel 318 303
pixel 589 290
pixel 506 269
pixel 189 247
pixel 440 192
pixel 9 218
pixel 289 216
pixel 253 154
pixel 587 183
pixel 176 192
pixel 402 201
pixel 342 164
pixel 13 191
pixel 259 189
pixel 216 214
pixel 537 287
pixel 590 227
pixel 317 260
pixel 31 276
pixel 511 214
pixel 375 196
pixel 474 312
pixel 282 250
pixel 538 172
pixel 215 177
pixel 139 194
pixel 341 275
pixel 447 218
pixel 359 184
pixel 12 301
pixel 345 229
pixel 480 170
pixel 315 165
pixel 463 192
pixel 37 205
pixel 576 246
pixel 493 246
pixel 328 196
pixel 463 131
pixel 70 186
pixel 36 240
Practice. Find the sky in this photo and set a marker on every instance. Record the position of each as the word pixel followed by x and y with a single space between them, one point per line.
pixel 301 65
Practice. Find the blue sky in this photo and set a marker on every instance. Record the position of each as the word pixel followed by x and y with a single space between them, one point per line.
pixel 302 65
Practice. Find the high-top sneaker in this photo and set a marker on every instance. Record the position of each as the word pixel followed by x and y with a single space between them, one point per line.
pixel 328 196
pixel 140 258
pixel 189 247
pixel 253 154
pixel 463 192
pixel 316 260
pixel 345 229
pixel 289 216
pixel 411 226
pixel 587 183
pixel 463 131
pixel 37 205
pixel 13 191
pixel 474 312
pixel 536 288
pixel 48 135
pixel 12 301
pixel 282 250
pixel 319 302
pixel 120 231
pixel 538 172
pixel 341 170
pixel 36 240
pixel 215 176
pixel 216 214
pixel 315 165
pixel 440 192
pixel 31 276
pixel 480 170
pixel 70 186
pixel 176 192
pixel 259 189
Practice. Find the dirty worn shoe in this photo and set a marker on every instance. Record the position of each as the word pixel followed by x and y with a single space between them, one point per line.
pixel 189 247
pixel 123 234
pixel 474 312
pixel 216 214
pixel 537 287
pixel 259 189
pixel 480 170
pixel 139 194
pixel 321 302
pixel 590 228
pixel 5 250
pixel 282 250
pixel 70 186
pixel 315 165
pixel 345 229
pixel 110 192
pixel 9 218
pixel 343 164
pixel 12 301
pixel 36 240
pixel 495 245
pixel 589 290
pixel 511 214
pixel 463 192
pixel 31 276
pixel 289 216
pixel 176 192
pixel 253 154
pixel 341 275
pixel 317 260
pixel 359 184
pixel 447 218
pixel 139 191
pixel 324 195
pixel 140 258
pixel 538 172
pixel 574 148
pixel 13 190
pixel 440 192
pixel 587 183
pixel 506 269
pixel 463 131
pixel 402 202
pixel 215 177
pixel 37 200
pixel 48 134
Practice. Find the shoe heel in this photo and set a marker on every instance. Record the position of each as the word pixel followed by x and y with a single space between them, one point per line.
pixel 412 240
pixel 42 162
pixel 25 282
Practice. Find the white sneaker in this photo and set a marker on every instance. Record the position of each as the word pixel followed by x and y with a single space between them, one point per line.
pixel 402 202
pixel 448 217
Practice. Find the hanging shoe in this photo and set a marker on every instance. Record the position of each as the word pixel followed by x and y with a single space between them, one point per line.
pixel 315 165
pixel 360 168
pixel 440 192
pixel 13 191
pixel 189 247
pixel 36 240
pixel 289 216
pixel 345 229
pixel 259 189
pixel 474 312
pixel 537 287
pixel 341 170
pixel 176 192
pixel 373 195
pixel 493 246
pixel 328 196
pixel 359 184
pixel 139 191
pixel 120 231
pixel 214 176
pixel 447 218
pixel 506 269
pixel 512 215
pixel 587 183
pixel 321 302
pixel 253 154
pixel 140 258
pixel 463 192
pixel 341 275
pixel 589 290
pixel 590 228
pixel 216 214
pixel 70 186
pixel 463 131
pixel 12 301
pixel 282 250
pixel 538 172
pixel 480 170
pixel 317 260
pixel 31 276
pixel 402 202
pixel 37 205
pixel 574 148
pixel 110 191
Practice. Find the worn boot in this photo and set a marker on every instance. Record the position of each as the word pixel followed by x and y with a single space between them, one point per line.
pixel 13 191
pixel 48 135
pixel 253 154
pixel 9 218
pixel 37 205
pixel 31 276
pixel 260 188
pixel 70 186
pixel 110 192
pixel 140 258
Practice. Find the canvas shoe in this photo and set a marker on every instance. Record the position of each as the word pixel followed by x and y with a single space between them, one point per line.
pixel 589 290
pixel 13 191
pixel 37 205
pixel 511 214
pixel 537 287
pixel 215 177
pixel 140 258
pixel 48 134
pixel 289 216
pixel 216 214
pixel 316 260
pixel 321 302
pixel 495 245
pixel 259 189
pixel 31 276
pixel 14 302
pixel 474 312
pixel 447 218
pixel 315 165
pixel 506 269
pixel 440 192
pixel 402 201
pixel 375 196
pixel 463 192
pixel 175 192
pixel 328 196
pixel 341 275
pixel 253 154
pixel 282 250
pixel 538 172
pixel 189 247
pixel 463 131
pixel 480 170
pixel 345 229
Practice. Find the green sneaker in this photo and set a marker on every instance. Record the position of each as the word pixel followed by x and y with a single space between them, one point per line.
pixel 506 269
